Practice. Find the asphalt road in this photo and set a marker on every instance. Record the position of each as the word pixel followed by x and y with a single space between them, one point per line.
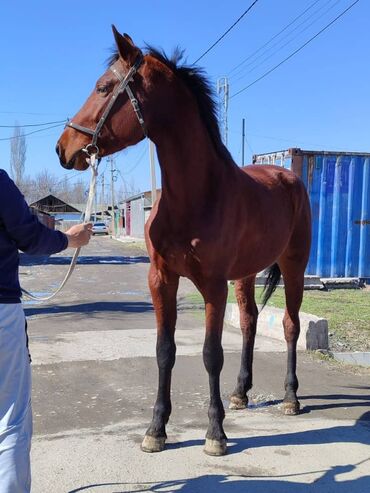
pixel 94 385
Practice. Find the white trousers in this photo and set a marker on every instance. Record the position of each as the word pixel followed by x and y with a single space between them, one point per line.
pixel 15 402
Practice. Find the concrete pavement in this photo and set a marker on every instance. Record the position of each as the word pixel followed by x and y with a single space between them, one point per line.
pixel 95 380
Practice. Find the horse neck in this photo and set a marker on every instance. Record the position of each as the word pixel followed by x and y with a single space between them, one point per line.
pixel 190 166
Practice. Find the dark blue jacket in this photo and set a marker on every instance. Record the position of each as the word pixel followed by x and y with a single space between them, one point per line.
pixel 20 230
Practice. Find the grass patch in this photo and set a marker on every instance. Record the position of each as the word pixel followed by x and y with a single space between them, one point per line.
pixel 347 312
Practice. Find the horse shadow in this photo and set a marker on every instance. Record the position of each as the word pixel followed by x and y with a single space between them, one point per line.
pixel 229 482
pixel 359 432
pixel 91 309
pixel 32 260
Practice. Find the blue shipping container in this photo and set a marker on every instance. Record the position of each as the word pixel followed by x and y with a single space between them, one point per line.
pixel 338 184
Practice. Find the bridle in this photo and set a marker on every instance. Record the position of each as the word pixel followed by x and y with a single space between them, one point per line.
pixel 93 152
pixel 92 148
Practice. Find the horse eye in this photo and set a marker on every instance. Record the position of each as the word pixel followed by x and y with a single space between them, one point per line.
pixel 102 89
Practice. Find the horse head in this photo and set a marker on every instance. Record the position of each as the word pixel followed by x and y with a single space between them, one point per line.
pixel 112 118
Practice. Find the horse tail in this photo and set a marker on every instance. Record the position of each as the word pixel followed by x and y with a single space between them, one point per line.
pixel 272 280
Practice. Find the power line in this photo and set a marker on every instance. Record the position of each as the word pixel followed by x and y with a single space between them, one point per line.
pixel 34 132
pixel 226 32
pixel 24 113
pixel 34 124
pixel 256 65
pixel 137 163
pixel 70 177
pixel 296 51
pixel 273 37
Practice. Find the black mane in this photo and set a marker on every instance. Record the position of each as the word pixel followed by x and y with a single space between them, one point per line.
pixel 195 79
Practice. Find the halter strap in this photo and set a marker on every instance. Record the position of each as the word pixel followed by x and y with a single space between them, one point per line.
pixel 122 86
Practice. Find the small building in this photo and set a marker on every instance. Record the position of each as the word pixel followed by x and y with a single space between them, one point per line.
pixel 53 205
pixel 64 214
pixel 135 212
pixel 338 185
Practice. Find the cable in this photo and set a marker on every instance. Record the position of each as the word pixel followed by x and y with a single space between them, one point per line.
pixel 226 32
pixel 34 132
pixel 67 178
pixel 271 39
pixel 24 113
pixel 277 43
pixel 137 162
pixel 296 51
pixel 33 124
pixel 256 65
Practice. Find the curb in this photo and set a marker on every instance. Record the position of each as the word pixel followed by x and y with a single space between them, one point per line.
pixel 356 358
pixel 314 330
pixel 128 239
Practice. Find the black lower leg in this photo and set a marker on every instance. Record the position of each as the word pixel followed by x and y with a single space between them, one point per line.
pixel 244 380
pixel 213 360
pixel 291 380
pixel 166 354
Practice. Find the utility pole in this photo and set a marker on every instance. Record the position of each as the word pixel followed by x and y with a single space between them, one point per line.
pixel 112 180
pixel 223 91
pixel 102 197
pixel 152 171
pixel 243 139
pixel 95 206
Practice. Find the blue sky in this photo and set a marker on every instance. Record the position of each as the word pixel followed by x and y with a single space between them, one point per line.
pixel 52 52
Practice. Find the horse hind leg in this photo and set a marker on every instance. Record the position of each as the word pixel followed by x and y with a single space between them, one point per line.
pixel 244 291
pixel 293 274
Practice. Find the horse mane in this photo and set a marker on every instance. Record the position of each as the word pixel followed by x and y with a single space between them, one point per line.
pixel 198 84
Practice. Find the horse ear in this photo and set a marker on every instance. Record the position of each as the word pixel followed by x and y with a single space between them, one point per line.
pixel 129 39
pixel 126 48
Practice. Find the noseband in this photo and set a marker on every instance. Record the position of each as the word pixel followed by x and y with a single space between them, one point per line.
pixel 92 148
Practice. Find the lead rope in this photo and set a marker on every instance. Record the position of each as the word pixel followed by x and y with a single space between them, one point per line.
pixel 89 205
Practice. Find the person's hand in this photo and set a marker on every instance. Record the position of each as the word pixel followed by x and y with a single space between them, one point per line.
pixel 79 235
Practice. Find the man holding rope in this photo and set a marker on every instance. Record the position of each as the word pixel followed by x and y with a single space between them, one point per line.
pixel 20 230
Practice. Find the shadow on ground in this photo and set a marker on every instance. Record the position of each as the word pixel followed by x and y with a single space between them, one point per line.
pixel 220 483
pixel 30 260
pixel 91 308
pixel 239 479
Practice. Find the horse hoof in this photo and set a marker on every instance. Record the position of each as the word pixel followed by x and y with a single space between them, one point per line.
pixel 238 402
pixel 215 448
pixel 152 444
pixel 291 408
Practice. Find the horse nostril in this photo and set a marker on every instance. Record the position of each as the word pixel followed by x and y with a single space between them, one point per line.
pixel 57 150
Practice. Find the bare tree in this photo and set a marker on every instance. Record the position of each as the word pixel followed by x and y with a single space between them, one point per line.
pixel 29 189
pixel 79 192
pixel 46 183
pixel 18 149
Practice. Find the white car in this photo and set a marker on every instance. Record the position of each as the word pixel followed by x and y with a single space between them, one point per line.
pixel 100 228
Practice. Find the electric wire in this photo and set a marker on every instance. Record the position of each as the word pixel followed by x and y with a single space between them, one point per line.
pixel 260 62
pixel 33 124
pixel 296 51
pixel 31 133
pixel 271 39
pixel 226 32
pixel 137 162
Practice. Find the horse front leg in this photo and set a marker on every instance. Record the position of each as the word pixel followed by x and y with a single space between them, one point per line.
pixel 163 286
pixel 215 296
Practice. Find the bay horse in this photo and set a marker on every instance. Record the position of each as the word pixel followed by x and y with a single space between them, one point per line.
pixel 213 222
